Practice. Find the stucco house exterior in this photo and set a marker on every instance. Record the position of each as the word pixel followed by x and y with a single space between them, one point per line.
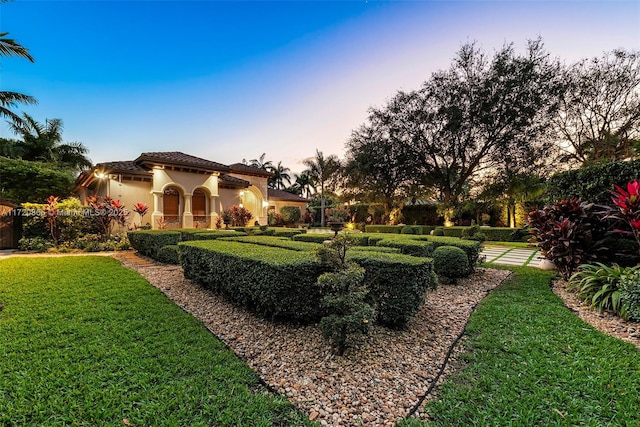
pixel 182 190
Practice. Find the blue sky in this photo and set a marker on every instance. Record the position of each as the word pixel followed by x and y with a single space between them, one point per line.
pixel 231 80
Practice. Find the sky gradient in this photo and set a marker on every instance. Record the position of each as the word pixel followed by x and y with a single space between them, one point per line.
pixel 231 80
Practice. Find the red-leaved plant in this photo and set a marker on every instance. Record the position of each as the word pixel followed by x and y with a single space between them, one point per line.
pixel 107 212
pixel 628 208
pixel 51 212
pixel 141 209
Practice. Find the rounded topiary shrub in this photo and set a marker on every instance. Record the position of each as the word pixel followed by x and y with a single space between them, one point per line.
pixel 450 262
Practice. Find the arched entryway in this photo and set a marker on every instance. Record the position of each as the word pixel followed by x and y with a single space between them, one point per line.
pixel 172 207
pixel 199 209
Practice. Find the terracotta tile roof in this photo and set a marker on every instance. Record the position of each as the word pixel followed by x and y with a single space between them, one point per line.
pixel 178 158
pixel 284 195
pixel 123 166
pixel 242 168
pixel 232 180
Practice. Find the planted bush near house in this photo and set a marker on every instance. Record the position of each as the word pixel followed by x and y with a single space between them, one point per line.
pixel 290 214
pixel 450 262
pixel 149 242
pixel 598 284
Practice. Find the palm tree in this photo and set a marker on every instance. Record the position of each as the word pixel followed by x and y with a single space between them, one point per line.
pixel 261 164
pixel 322 170
pixel 303 184
pixel 280 175
pixel 9 47
pixel 43 143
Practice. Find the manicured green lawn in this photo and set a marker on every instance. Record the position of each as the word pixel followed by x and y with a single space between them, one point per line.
pixel 531 361
pixel 84 341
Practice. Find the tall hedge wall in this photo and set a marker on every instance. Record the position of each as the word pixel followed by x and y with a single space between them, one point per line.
pixel 591 183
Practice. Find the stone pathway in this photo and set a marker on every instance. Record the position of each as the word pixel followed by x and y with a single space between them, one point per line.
pixel 501 255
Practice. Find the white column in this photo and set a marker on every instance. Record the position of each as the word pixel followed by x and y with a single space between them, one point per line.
pixel 187 215
pixel 157 208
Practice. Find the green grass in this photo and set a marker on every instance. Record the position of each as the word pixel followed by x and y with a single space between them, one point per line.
pixel 532 362
pixel 84 341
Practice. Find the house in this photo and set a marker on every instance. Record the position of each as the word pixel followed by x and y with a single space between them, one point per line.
pixel 181 190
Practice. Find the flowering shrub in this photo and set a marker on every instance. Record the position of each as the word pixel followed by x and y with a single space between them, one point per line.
pixel 308 217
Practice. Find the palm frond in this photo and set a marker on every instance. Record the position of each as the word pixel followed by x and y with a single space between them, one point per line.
pixel 10 47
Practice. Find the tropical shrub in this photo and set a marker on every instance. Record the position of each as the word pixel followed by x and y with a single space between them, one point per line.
pixel 629 286
pixel 599 285
pixel 35 244
pixel 274 219
pixel 107 213
pixel 290 214
pixel 628 208
pixel 570 233
pixel 240 217
pixel 450 262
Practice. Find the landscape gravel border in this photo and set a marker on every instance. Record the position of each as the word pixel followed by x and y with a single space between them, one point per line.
pixel 376 383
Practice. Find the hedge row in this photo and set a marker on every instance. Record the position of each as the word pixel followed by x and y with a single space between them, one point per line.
pixel 592 183
pixel 398 229
pixel 493 234
pixel 275 242
pixel 274 283
pixel 471 247
pixel 282 284
pixel 149 242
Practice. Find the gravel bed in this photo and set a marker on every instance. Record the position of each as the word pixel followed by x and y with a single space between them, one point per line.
pixel 605 322
pixel 375 383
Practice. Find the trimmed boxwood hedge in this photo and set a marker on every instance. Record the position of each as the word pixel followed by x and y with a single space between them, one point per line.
pixel 287 232
pixel 397 284
pixel 273 282
pixel 409 246
pixel 149 242
pixel 397 229
pixel 471 247
pixel 193 233
pixel 168 254
pixel 450 262
pixel 279 283
pixel 276 242
pixel 218 234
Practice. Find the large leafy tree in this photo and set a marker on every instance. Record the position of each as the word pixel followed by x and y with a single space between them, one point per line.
pixel 9 100
pixel 378 164
pixel 323 171
pixel 478 116
pixel 43 143
pixel 599 116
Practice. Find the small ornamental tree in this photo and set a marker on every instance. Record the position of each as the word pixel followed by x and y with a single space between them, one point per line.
pixel 345 294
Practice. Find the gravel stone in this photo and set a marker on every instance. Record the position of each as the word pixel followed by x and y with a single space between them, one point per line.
pixel 376 382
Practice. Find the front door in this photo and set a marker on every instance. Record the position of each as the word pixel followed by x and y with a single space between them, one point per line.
pixel 171 201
